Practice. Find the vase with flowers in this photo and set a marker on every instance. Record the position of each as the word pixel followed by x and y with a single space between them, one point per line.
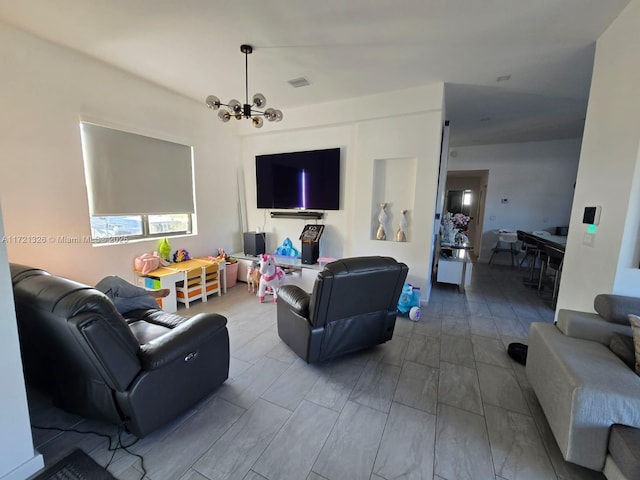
pixel 461 221
pixel 453 228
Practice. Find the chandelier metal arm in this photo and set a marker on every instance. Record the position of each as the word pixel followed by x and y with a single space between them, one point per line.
pixel 235 109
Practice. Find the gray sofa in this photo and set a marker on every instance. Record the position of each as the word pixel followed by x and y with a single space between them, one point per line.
pixel 585 388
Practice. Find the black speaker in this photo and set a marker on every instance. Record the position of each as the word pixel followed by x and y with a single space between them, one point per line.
pixel 254 243
pixel 310 253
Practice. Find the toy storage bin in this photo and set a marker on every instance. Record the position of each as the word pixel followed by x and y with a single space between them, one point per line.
pixel 232 274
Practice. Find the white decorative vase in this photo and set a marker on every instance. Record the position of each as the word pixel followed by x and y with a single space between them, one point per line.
pixel 382 221
pixel 401 235
pixel 447 230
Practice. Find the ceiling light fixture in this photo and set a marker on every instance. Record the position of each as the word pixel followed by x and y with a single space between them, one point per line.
pixel 236 109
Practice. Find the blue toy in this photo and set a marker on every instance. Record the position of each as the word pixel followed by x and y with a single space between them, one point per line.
pixel 409 302
pixel 287 249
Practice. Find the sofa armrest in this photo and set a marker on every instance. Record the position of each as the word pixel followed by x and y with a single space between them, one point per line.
pixel 295 298
pixel 183 341
pixel 589 326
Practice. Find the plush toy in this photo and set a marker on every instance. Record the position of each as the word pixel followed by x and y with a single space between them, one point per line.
pixel 148 262
pixel 164 249
pixel 409 302
pixel 253 277
pixel 180 255
pixel 287 249
pixel 272 277
pixel 223 257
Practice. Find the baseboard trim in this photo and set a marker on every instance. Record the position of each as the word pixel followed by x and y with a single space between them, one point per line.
pixel 27 469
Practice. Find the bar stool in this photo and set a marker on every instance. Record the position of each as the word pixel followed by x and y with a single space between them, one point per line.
pixel 530 248
pixel 532 254
pixel 554 259
pixel 505 244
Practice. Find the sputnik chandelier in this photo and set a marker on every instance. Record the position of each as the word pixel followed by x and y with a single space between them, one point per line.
pixel 238 110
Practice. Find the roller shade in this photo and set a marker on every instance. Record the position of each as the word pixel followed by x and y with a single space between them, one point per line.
pixel 130 174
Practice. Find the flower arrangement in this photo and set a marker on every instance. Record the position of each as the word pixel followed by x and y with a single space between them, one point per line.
pixel 447 229
pixel 461 221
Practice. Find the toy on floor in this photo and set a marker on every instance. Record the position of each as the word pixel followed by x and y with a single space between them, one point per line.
pixel 409 302
pixel 272 277
pixel 253 277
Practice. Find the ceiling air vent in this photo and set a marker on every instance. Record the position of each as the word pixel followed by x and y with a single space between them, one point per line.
pixel 299 82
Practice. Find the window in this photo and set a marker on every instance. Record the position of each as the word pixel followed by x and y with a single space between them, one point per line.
pixel 139 226
pixel 466 198
pixel 138 187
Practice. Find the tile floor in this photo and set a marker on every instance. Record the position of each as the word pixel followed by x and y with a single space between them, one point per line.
pixel 441 400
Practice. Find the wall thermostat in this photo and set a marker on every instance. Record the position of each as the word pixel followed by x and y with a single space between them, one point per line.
pixel 591 215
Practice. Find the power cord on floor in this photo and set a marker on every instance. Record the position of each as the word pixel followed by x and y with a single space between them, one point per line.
pixel 119 445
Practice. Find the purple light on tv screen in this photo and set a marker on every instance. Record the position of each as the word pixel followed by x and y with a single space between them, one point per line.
pixel 303 189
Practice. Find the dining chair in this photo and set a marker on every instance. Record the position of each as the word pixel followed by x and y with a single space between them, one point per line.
pixel 530 249
pixel 533 258
pixel 554 259
pixel 506 242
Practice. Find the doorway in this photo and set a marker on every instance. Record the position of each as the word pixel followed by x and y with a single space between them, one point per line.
pixel 465 193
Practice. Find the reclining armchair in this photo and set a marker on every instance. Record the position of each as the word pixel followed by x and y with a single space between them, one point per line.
pixel 140 371
pixel 353 306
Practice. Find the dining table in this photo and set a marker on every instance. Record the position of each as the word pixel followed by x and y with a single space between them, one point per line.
pixel 557 241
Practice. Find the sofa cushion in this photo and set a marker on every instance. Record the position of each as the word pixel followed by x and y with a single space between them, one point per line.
pixel 624 448
pixel 622 345
pixel 616 308
pixel 635 325
pixel 589 326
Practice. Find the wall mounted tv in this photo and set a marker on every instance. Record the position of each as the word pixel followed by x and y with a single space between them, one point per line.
pixel 299 180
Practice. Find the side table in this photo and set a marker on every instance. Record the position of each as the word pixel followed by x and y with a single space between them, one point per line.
pixel 454 265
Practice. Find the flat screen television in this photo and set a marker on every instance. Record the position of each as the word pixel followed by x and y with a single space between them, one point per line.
pixel 299 180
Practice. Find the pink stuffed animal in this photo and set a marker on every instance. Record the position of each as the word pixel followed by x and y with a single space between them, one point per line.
pixel 272 277
pixel 148 262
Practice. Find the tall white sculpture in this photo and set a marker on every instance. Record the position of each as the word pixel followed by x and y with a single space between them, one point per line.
pixel 381 234
pixel 401 234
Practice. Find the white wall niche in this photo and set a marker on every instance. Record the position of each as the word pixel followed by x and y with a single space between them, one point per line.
pixel 394 181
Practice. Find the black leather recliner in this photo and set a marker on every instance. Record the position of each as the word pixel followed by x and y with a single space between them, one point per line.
pixel 140 371
pixel 353 306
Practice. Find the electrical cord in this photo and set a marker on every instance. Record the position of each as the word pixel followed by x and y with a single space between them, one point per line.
pixel 119 445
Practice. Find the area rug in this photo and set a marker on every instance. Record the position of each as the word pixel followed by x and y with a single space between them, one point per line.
pixel 75 466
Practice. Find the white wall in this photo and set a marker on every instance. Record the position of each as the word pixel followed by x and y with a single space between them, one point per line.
pixel 366 133
pixel 536 178
pixel 44 91
pixel 609 173
pixel 17 457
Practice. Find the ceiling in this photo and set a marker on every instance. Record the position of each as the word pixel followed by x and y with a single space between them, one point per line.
pixel 353 48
